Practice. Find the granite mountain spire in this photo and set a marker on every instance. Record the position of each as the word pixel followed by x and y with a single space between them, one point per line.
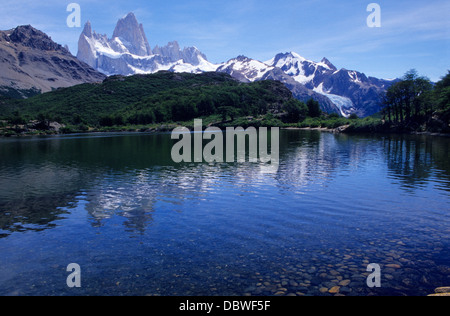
pixel 128 52
pixel 132 35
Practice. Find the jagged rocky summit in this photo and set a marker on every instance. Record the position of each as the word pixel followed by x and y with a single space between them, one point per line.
pixel 31 61
pixel 128 52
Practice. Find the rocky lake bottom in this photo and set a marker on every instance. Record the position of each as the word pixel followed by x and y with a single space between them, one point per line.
pixel 139 224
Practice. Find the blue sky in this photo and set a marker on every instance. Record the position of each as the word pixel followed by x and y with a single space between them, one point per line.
pixel 413 34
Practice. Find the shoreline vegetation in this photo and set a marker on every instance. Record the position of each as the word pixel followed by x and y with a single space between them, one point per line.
pixel 341 125
pixel 163 101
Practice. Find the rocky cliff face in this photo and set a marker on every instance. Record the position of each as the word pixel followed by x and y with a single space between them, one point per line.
pixel 128 51
pixel 351 91
pixel 249 70
pixel 173 53
pixel 131 34
pixel 30 60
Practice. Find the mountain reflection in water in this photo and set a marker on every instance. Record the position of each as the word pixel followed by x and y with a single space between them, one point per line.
pixel 139 224
pixel 126 175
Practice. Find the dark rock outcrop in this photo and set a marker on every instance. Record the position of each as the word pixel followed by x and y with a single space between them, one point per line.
pixel 31 60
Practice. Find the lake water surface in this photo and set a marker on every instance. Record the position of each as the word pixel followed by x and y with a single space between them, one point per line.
pixel 139 224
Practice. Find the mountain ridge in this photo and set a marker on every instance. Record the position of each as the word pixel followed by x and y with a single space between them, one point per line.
pixel 128 51
pixel 31 61
pixel 246 69
pixel 338 90
pixel 132 33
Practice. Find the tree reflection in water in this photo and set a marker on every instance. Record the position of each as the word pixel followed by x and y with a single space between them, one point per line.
pixel 42 180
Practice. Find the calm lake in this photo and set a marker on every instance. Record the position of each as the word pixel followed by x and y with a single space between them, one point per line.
pixel 139 224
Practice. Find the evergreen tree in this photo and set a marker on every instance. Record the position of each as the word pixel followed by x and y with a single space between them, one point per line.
pixel 408 100
pixel 313 108
pixel 296 111
pixel 441 94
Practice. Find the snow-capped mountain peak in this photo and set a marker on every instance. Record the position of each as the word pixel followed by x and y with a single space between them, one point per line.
pixel 202 65
pixel 296 66
pixel 245 69
pixel 128 51
pixel 351 91
pixel 131 34
pixel 327 64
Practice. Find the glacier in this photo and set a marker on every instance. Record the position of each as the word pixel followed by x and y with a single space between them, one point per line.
pixel 128 52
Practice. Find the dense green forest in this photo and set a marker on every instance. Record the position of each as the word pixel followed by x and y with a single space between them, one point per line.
pixel 142 100
pixel 416 103
pixel 147 102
